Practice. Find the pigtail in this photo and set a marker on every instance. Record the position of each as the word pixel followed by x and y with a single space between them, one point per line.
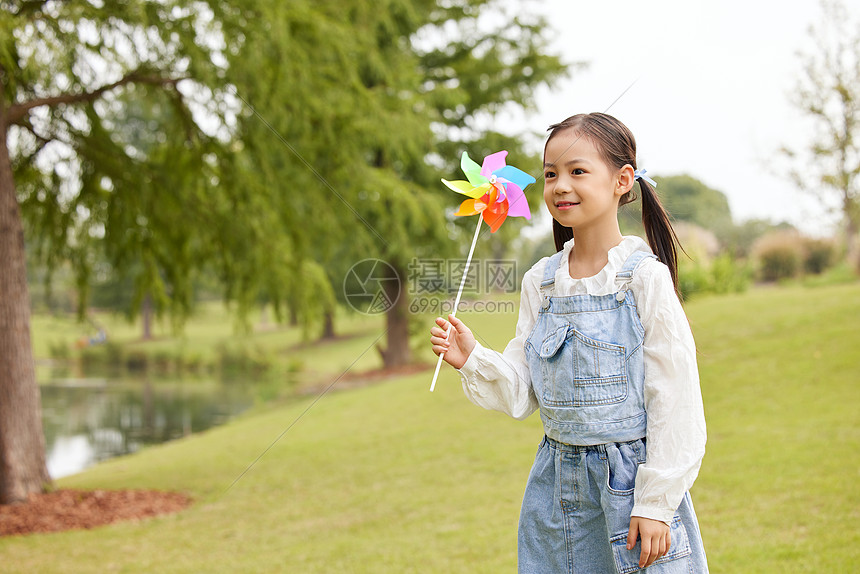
pixel 658 228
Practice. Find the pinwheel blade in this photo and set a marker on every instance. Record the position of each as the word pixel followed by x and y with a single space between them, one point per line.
pixel 518 205
pixel 492 195
pixel 514 175
pixel 495 214
pixel 481 203
pixel 500 188
pixel 493 162
pixel 471 207
pixel 466 188
pixel 472 170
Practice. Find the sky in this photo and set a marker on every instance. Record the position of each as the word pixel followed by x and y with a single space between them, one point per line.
pixel 710 95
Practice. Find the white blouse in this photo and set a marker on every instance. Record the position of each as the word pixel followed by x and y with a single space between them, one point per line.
pixel 675 431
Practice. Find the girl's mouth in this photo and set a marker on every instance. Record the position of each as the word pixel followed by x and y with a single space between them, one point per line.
pixel 564 205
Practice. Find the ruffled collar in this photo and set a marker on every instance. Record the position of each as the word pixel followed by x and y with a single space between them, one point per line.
pixel 604 281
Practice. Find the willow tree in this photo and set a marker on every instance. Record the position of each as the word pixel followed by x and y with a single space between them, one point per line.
pixel 478 75
pixel 274 142
pixel 478 62
pixel 369 103
pixel 80 166
pixel 828 93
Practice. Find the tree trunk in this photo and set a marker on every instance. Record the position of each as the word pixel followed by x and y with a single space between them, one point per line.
pixel 397 320
pixel 146 316
pixel 328 325
pixel 22 441
pixel 293 314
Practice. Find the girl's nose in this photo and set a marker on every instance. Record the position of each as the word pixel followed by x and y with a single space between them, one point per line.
pixel 563 185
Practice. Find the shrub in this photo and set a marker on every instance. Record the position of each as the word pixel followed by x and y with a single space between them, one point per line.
pixel 693 278
pixel 729 275
pixel 193 362
pixel 137 361
pixel 165 361
pixel 787 254
pixel 820 254
pixel 107 355
pixel 779 255
pixel 244 360
pixel 779 262
pixel 724 274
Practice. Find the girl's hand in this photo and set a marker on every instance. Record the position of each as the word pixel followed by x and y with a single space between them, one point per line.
pixel 460 342
pixel 655 539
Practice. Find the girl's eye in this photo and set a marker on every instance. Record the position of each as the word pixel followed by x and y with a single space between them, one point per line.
pixel 549 175
pixel 578 171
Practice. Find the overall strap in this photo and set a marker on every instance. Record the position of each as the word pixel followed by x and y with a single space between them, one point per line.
pixel 632 262
pixel 625 275
pixel 548 282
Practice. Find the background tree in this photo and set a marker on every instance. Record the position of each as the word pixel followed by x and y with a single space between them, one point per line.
pixel 272 143
pixel 334 140
pixel 476 59
pixel 828 93
pixel 78 174
pixel 354 138
pixel 477 74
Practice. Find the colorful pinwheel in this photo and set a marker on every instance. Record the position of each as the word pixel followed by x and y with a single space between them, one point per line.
pixel 496 189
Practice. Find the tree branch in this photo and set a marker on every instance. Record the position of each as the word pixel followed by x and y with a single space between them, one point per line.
pixel 18 111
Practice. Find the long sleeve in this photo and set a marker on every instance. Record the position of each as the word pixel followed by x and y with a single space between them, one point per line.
pixel 501 381
pixel 675 433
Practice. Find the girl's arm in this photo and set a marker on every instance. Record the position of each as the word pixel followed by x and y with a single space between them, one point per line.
pixel 501 381
pixel 675 434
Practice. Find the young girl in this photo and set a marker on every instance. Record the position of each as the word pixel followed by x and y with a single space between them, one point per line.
pixel 604 351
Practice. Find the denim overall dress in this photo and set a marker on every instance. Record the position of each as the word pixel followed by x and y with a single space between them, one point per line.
pixel 585 357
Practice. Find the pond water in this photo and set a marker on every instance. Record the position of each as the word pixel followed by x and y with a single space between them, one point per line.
pixel 89 420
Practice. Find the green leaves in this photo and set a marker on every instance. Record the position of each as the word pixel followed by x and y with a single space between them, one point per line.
pixel 164 140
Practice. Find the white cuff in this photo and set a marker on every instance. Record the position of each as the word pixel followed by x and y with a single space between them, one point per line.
pixel 654 513
pixel 470 367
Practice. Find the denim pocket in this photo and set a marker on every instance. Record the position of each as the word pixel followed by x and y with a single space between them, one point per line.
pixel 627 561
pixel 579 371
pixel 556 364
pixel 599 373
pixel 622 464
pixel 552 342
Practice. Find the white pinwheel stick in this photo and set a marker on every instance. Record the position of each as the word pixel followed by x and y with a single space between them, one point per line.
pixel 494 188
pixel 457 300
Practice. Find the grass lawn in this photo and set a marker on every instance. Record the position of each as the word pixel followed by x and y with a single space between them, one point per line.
pixel 391 478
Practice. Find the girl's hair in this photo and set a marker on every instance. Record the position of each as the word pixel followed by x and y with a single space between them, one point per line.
pixel 617 147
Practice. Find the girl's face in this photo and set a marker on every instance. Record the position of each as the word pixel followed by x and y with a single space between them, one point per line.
pixel 580 189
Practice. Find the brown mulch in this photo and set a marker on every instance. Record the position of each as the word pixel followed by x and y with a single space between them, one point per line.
pixel 74 509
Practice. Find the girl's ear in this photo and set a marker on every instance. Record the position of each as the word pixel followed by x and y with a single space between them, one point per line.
pixel 625 180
